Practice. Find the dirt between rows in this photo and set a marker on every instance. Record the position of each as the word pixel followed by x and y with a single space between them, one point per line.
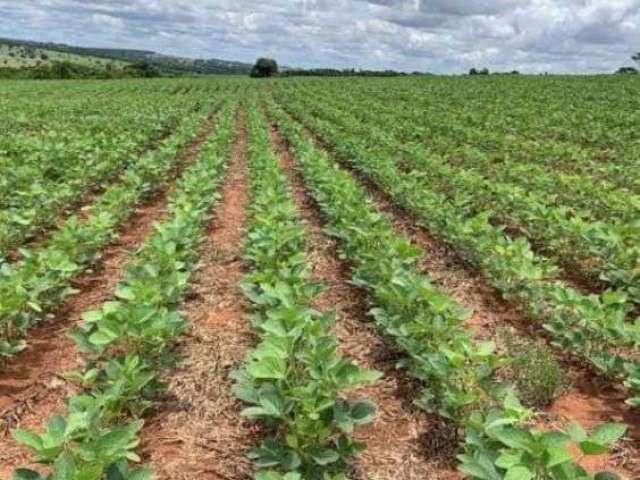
pixel 403 443
pixel 589 400
pixel 32 386
pixel 197 431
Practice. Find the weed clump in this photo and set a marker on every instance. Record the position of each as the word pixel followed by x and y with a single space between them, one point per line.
pixel 533 369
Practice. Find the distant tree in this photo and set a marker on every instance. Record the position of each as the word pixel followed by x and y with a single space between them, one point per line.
pixel 264 67
pixel 475 71
pixel 44 56
pixel 515 72
pixel 636 57
pixel 146 69
pixel 62 70
pixel 627 71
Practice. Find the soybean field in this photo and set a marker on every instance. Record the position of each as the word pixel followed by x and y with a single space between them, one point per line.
pixel 403 278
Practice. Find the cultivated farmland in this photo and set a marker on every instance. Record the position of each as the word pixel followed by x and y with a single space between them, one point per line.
pixel 320 279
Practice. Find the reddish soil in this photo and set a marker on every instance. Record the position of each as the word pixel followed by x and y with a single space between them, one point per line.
pixel 589 401
pixel 401 443
pixel 592 401
pixel 197 431
pixel 444 267
pixel 32 388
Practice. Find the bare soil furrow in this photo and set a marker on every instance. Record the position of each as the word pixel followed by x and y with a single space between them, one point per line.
pixel 32 386
pixel 589 400
pixel 401 443
pixel 197 431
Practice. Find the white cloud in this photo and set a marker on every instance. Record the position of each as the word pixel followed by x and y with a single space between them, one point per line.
pixel 435 35
pixel 104 21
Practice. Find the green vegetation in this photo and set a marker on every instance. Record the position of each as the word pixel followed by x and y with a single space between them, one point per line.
pixel 126 340
pixel 25 61
pixel 428 327
pixel 527 181
pixel 79 158
pixel 264 68
pixel 294 379
pixel 42 279
pixel 24 56
pixel 593 327
pixel 29 59
pixel 534 370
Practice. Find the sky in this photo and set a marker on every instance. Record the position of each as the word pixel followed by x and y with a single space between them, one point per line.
pixel 439 36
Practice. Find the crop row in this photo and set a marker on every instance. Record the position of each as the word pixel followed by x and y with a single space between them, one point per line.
pixel 428 326
pixel 42 279
pixel 573 127
pixel 596 197
pixel 590 326
pixel 69 141
pixel 128 340
pixel 32 109
pixel 497 154
pixel 53 173
pixel 601 251
pixel 294 381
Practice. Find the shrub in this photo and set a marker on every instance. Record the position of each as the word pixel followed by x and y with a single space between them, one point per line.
pixel 532 367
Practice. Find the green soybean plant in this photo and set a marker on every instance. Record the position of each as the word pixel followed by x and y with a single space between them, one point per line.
pixel 498 447
pixel 32 287
pixel 456 372
pixel 80 446
pixel 293 381
pixel 98 436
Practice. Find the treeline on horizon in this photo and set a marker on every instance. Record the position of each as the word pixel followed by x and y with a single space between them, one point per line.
pixel 352 72
pixel 347 72
pixel 61 70
pixel 70 70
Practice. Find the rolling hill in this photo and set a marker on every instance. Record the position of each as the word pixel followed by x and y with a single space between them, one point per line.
pixel 17 56
pixel 26 53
